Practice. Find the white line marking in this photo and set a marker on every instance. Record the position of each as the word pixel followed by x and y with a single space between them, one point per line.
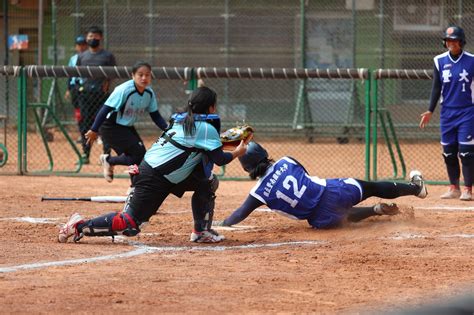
pixel 405 236
pixel 135 252
pixel 144 249
pixel 32 220
pixel 264 210
pixel 458 235
pixel 233 227
pixel 447 208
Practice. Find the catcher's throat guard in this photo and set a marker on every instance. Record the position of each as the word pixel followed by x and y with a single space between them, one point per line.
pixel 212 119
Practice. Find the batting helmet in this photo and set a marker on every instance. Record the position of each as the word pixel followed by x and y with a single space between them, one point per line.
pixel 80 40
pixel 254 155
pixel 455 33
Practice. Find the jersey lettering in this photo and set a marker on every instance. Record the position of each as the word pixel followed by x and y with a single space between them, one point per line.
pixel 463 76
pixel 287 187
pixel 456 78
pixel 446 76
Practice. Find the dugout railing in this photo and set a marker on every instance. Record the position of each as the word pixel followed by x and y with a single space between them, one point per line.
pixel 36 118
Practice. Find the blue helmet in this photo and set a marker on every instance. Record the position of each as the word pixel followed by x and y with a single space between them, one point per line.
pixel 455 33
pixel 254 155
pixel 80 40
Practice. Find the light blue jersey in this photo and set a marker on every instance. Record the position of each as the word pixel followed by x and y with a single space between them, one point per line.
pixel 287 188
pixel 72 63
pixel 176 164
pixel 128 103
pixel 457 87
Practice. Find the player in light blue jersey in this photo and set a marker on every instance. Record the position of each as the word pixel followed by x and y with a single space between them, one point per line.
pixel 173 165
pixel 118 115
pixel 286 187
pixel 453 86
pixel 74 84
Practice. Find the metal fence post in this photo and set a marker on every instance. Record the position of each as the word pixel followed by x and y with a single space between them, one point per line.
pixel 368 83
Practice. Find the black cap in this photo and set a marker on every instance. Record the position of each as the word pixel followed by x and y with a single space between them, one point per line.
pixel 80 40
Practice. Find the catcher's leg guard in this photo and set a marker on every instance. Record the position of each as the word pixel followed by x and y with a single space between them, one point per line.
pixel 203 202
pixel 110 224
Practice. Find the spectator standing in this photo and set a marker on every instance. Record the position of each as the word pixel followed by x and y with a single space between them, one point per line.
pixel 94 91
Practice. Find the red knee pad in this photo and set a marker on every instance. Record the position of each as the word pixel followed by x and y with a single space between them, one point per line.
pixel 119 223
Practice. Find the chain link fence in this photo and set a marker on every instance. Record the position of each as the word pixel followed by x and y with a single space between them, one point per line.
pixel 311 113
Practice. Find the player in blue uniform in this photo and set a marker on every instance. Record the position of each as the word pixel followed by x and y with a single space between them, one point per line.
pixel 453 86
pixel 173 165
pixel 118 115
pixel 287 188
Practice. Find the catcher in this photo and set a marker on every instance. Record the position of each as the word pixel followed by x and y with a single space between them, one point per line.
pixel 173 165
pixel 286 187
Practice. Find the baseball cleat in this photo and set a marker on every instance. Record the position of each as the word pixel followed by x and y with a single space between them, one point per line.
pixel 452 193
pixel 69 229
pixel 209 236
pixel 417 179
pixel 108 169
pixel 466 195
pixel 386 209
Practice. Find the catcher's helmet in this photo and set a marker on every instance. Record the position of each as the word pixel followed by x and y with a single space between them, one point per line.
pixel 456 33
pixel 254 155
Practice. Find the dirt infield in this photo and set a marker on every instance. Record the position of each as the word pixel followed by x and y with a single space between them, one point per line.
pixel 270 265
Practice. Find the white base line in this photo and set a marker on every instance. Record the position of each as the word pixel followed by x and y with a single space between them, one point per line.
pixel 144 249
pixel 33 220
pixel 446 208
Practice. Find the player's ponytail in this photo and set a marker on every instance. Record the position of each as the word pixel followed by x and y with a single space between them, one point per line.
pixel 261 168
pixel 200 101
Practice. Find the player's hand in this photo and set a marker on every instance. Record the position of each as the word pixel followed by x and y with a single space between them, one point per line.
pixel 67 95
pixel 91 136
pixel 425 119
pixel 240 150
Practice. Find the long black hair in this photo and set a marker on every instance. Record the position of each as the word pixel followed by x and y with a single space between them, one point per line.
pixel 199 102
pixel 261 168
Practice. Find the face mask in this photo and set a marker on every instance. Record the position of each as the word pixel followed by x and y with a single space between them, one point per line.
pixel 94 43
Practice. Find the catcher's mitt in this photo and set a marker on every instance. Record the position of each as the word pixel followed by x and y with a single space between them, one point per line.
pixel 231 138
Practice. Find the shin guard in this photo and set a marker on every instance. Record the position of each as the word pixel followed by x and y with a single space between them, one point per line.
pixel 466 154
pixel 450 155
pixel 110 224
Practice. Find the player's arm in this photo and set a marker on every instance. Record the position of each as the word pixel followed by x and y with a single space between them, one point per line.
pixel 219 157
pixel 435 90
pixel 159 120
pixel 92 134
pixel 435 94
pixel 242 212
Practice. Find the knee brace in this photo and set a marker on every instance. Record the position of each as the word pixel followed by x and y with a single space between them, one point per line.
pixel 466 154
pixel 110 225
pixel 450 154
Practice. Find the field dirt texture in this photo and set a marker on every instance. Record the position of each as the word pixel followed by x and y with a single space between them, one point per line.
pixel 267 264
